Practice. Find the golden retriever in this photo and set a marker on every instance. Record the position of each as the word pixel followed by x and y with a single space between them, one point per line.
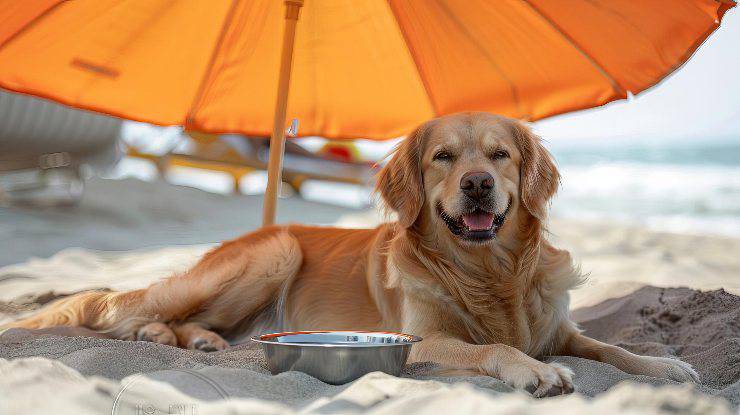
pixel 466 267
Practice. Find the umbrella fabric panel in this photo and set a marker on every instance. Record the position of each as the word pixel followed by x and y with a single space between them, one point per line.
pixel 498 57
pixel 353 75
pixel 636 42
pixel 142 60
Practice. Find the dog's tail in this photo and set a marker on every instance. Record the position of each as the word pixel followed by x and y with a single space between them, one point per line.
pixel 90 308
pixel 242 265
pixel 116 313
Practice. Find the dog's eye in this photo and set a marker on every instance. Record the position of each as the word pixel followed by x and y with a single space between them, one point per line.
pixel 443 156
pixel 499 154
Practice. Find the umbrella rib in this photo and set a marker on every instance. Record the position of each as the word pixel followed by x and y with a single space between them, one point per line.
pixel 600 68
pixel 415 59
pixel 31 23
pixel 198 98
pixel 489 57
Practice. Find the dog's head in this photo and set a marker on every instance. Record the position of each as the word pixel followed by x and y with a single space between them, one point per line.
pixel 469 173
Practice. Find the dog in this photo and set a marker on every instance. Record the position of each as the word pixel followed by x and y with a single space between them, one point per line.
pixel 466 266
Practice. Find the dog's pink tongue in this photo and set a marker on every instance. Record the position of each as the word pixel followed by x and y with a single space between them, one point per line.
pixel 478 221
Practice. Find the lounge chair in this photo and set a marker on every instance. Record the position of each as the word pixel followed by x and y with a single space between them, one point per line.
pixel 46 149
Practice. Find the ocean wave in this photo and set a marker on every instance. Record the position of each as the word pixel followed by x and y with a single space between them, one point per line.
pixel 670 197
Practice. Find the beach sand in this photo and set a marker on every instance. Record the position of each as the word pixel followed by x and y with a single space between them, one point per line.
pixel 621 258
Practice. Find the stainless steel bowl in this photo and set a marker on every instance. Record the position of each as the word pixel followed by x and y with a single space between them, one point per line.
pixel 336 357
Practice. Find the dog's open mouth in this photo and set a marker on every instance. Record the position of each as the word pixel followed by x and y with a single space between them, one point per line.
pixel 477 225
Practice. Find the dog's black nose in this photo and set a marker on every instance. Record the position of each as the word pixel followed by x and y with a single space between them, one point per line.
pixel 476 184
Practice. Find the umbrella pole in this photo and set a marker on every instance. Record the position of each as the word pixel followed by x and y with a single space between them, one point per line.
pixel 277 141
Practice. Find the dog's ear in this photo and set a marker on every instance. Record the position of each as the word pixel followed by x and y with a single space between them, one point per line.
pixel 400 183
pixel 538 176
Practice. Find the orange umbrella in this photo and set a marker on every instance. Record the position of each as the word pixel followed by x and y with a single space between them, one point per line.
pixel 362 68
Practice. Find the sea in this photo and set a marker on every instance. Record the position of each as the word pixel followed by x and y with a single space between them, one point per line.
pixel 689 185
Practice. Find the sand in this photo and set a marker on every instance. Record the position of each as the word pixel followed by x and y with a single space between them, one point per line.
pixel 701 327
pixel 621 258
pixel 130 214
pixel 143 238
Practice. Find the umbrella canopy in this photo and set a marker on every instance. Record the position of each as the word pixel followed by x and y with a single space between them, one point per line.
pixel 361 68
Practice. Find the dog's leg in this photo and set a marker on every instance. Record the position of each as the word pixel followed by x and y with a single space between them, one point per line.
pixel 509 364
pixel 579 345
pixel 158 333
pixel 498 360
pixel 195 336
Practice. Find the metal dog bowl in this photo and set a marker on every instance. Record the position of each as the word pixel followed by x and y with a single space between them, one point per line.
pixel 336 357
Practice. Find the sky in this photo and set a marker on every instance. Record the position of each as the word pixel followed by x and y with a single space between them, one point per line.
pixel 700 100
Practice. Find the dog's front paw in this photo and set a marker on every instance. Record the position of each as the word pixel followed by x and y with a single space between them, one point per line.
pixel 670 368
pixel 538 378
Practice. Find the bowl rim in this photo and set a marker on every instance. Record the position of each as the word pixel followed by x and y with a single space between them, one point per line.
pixel 266 338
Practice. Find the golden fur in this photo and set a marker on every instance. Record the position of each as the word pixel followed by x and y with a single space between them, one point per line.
pixel 491 305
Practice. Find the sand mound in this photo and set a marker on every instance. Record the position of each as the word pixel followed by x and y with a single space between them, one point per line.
pixel 700 327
